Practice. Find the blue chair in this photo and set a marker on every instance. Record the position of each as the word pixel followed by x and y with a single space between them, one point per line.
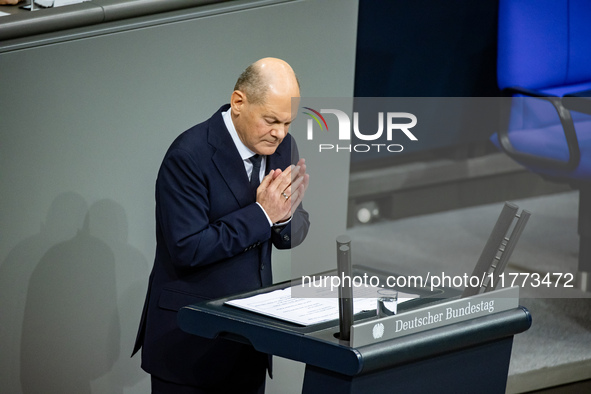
pixel 544 64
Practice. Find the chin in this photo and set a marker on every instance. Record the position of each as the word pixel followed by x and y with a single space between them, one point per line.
pixel 267 150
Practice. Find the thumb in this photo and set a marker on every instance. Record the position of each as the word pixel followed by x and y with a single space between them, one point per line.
pixel 266 180
pixel 276 173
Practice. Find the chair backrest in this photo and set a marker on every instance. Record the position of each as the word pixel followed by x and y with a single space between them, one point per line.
pixel 544 44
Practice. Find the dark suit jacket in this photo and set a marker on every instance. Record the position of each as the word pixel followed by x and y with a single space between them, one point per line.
pixel 213 240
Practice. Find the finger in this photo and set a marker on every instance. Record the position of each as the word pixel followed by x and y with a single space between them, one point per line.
pixel 302 169
pixel 306 181
pixel 296 183
pixel 300 192
pixel 277 173
pixel 298 172
pixel 293 200
pixel 282 181
pixel 284 196
pixel 301 182
pixel 266 180
pixel 275 184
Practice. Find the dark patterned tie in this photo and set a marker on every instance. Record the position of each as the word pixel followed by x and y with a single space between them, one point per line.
pixel 256 169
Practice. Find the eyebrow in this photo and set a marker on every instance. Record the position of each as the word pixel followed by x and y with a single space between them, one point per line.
pixel 276 119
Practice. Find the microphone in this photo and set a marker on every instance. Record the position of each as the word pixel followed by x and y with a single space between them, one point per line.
pixel 345 289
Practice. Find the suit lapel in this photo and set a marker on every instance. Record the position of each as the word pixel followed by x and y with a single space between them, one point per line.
pixel 227 159
pixel 274 162
pixel 229 163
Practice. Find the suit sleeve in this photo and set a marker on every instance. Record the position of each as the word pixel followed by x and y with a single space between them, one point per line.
pixel 293 233
pixel 192 238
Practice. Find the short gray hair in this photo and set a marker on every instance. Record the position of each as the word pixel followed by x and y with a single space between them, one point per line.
pixel 252 83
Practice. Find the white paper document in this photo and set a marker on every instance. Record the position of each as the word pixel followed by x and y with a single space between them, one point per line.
pixel 305 311
pixel 57 3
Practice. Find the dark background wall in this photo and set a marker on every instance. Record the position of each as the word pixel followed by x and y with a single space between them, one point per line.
pixel 427 48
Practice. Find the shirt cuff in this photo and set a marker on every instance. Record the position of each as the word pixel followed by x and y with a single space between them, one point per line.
pixel 267 216
pixel 271 224
pixel 280 224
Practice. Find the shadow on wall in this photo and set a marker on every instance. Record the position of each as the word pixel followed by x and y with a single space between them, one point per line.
pixel 64 217
pixel 67 293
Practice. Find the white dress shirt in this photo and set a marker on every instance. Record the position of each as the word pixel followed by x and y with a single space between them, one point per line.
pixel 246 154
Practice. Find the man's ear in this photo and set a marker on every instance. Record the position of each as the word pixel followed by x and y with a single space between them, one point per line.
pixel 237 101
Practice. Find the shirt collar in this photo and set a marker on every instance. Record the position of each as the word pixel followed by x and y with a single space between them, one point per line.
pixel 243 150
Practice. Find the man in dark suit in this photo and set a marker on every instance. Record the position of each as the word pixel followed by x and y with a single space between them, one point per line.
pixel 215 226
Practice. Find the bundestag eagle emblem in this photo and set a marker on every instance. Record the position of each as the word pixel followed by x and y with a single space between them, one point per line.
pixel 378 331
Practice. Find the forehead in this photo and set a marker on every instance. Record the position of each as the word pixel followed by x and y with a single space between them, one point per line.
pixel 279 108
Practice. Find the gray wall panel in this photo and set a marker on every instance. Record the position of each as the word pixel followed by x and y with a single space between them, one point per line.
pixel 84 124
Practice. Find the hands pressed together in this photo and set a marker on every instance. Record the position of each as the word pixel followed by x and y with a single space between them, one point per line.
pixel 280 192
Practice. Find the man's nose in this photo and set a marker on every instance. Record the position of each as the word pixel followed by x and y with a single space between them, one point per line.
pixel 280 131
